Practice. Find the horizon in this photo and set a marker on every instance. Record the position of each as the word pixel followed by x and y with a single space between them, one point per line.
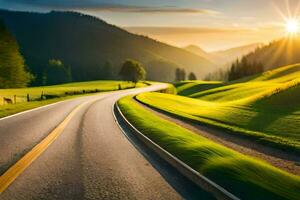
pixel 209 24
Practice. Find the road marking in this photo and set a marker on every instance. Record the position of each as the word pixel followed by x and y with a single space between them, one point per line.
pixel 13 172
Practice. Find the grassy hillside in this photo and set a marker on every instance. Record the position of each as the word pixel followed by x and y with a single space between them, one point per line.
pixel 54 93
pixel 264 108
pixel 245 177
pixel 186 88
pixel 94 43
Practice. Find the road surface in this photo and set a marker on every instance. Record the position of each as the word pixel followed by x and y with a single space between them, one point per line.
pixel 90 159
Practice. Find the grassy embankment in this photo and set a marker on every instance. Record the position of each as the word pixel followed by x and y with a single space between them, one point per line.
pixel 264 108
pixel 54 93
pixel 245 177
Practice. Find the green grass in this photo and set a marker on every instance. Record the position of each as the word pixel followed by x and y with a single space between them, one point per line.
pixel 266 108
pixel 56 92
pixel 245 177
pixel 186 88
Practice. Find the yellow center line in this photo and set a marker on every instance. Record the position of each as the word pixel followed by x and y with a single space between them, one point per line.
pixel 13 172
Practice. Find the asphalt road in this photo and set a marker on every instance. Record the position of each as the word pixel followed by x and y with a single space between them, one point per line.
pixel 91 159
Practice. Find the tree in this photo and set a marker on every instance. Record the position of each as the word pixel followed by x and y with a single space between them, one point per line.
pixel 183 75
pixel 177 74
pixel 243 68
pixel 192 76
pixel 13 73
pixel 57 73
pixel 132 71
pixel 180 74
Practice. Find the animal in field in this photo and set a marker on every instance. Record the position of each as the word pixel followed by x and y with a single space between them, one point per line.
pixel 7 100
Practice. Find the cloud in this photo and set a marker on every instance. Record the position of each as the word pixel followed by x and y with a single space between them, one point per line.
pixel 108 7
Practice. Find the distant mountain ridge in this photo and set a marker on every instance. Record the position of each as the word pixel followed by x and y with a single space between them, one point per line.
pixel 225 56
pixel 200 52
pixel 86 43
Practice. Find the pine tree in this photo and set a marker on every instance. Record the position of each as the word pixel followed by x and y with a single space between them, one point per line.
pixel 12 65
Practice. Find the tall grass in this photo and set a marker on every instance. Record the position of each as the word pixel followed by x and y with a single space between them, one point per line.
pixel 245 177
pixel 264 108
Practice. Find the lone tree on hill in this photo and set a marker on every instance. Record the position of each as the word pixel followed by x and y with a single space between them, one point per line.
pixel 132 71
pixel 13 72
pixel 192 76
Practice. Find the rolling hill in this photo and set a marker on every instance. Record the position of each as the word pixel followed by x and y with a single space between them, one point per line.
pixel 264 107
pixel 86 43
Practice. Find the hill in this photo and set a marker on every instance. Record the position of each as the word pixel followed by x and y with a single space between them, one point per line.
pixel 86 43
pixel 282 52
pixel 265 108
pixel 200 52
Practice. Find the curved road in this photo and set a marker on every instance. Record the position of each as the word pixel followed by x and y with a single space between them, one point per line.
pixel 91 159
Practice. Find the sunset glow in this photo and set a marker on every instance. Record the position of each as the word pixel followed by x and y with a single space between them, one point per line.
pixel 292 26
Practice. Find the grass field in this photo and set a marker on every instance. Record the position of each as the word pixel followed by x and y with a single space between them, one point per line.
pixel 245 177
pixel 186 88
pixel 54 93
pixel 265 108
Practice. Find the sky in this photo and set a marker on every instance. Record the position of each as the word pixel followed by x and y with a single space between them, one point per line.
pixel 210 24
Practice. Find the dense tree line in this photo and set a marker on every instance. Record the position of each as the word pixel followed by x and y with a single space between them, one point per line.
pixel 242 68
pixel 218 75
pixel 13 72
pixel 239 69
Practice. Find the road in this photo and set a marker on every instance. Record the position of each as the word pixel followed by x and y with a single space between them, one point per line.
pixel 90 159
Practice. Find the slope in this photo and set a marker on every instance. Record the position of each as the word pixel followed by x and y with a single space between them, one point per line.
pixel 85 43
pixel 264 108
pixel 278 53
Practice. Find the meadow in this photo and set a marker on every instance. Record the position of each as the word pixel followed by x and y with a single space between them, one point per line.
pixel 245 177
pixel 39 96
pixel 264 108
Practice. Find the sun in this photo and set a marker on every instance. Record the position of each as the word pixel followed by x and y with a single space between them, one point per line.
pixel 292 26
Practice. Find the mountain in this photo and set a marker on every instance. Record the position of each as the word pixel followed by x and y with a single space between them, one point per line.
pixel 200 52
pixel 278 53
pixel 223 57
pixel 229 55
pixel 86 43
pixel 285 51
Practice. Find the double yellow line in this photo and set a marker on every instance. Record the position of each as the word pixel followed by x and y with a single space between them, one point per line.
pixel 13 172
